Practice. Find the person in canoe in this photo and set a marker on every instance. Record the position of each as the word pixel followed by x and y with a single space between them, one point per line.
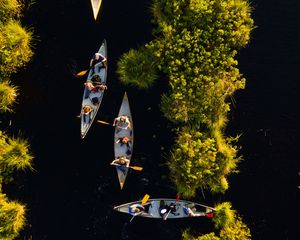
pixel 98 58
pixel 164 209
pixel 191 213
pixel 95 84
pixel 121 161
pixel 125 141
pixel 138 209
pixel 86 111
pixel 122 122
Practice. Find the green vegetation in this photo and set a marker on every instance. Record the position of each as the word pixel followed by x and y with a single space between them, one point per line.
pixel 230 225
pixel 10 9
pixel 15 52
pixel 195 46
pixel 8 95
pixel 136 65
pixel 199 159
pixel 12 218
pixel 14 155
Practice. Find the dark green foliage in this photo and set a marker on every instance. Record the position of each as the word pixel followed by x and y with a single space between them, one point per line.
pixel 138 68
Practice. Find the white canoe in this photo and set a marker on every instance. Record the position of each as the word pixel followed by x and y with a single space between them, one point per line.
pixel 96 4
pixel 153 207
pixel 90 96
pixel 123 150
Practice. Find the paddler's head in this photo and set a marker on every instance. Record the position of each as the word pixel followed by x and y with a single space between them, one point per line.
pixel 137 210
pixel 122 161
pixel 122 118
pixel 86 109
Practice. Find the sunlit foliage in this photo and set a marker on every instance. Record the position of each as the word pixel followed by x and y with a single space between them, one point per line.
pixel 201 160
pixel 235 231
pixel 186 235
pixel 12 218
pixel 230 225
pixel 10 9
pixel 136 65
pixel 8 95
pixel 15 47
pixel 224 216
pixel 14 155
pixel 195 46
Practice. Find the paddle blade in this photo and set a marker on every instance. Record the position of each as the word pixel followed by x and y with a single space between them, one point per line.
pixel 82 73
pixel 145 198
pixel 103 122
pixel 136 168
pixel 209 215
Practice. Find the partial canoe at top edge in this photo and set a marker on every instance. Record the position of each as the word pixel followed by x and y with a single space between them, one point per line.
pixel 96 4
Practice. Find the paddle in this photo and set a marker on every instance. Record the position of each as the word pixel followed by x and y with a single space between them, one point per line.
pixel 144 200
pixel 105 123
pixel 83 72
pixel 176 200
pixel 137 168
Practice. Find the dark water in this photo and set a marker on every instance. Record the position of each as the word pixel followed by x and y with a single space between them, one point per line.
pixel 72 191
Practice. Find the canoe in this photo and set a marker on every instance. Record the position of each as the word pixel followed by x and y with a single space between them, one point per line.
pixel 123 150
pixel 96 4
pixel 154 206
pixel 90 98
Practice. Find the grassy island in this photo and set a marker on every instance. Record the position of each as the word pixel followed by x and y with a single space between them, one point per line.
pixel 194 48
pixel 15 52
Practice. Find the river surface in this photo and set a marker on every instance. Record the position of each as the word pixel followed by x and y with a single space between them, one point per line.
pixel 71 193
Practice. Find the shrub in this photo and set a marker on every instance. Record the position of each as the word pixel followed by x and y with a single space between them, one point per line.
pixel 8 95
pixel 15 47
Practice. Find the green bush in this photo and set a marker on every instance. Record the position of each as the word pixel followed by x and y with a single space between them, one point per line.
pixel 14 155
pixel 186 235
pixel 235 231
pixel 200 160
pixel 10 9
pixel 12 218
pixel 15 47
pixel 138 68
pixel 8 95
